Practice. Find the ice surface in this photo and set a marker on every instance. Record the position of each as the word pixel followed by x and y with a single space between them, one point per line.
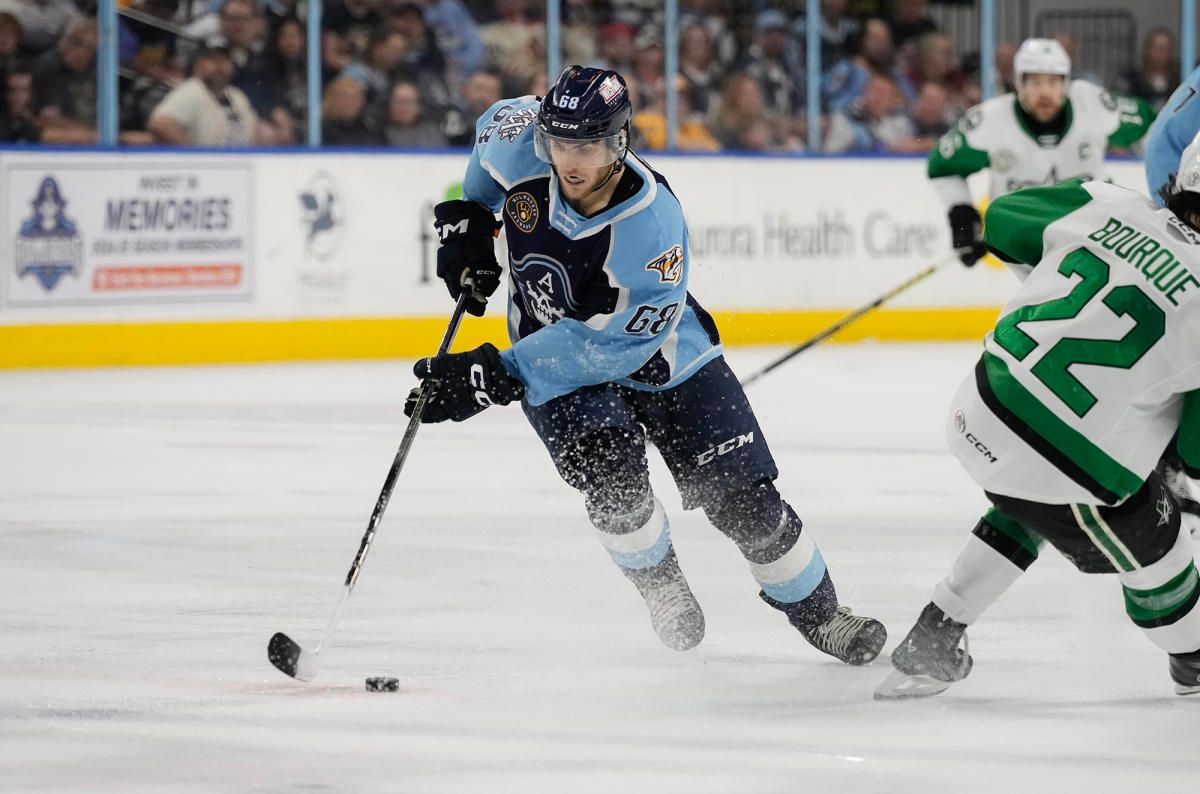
pixel 158 525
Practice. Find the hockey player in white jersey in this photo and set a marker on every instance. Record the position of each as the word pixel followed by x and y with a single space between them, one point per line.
pixel 609 349
pixel 1052 129
pixel 1091 371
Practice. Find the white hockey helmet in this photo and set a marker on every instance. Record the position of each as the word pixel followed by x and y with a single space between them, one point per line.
pixel 1188 177
pixel 1041 56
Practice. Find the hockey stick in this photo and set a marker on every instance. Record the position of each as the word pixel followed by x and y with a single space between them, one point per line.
pixel 284 652
pixel 851 317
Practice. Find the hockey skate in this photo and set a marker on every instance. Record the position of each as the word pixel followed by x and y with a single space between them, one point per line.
pixel 674 612
pixel 852 638
pixel 1185 672
pixel 928 660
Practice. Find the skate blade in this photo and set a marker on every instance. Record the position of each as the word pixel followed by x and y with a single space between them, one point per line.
pixel 902 686
pixel 1180 689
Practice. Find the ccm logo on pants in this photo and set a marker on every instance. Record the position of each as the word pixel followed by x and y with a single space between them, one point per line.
pixel 960 423
pixel 724 448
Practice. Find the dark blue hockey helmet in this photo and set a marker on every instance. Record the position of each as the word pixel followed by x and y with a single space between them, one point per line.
pixel 584 116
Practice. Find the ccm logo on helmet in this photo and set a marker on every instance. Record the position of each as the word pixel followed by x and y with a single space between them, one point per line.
pixel 563 125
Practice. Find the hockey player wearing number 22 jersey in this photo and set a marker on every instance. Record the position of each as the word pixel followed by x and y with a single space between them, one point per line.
pixel 1052 129
pixel 608 348
pixel 1092 369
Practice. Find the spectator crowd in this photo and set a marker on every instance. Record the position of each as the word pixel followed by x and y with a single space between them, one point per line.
pixel 418 73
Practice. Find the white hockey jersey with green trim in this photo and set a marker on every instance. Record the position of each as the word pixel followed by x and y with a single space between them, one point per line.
pixel 994 135
pixel 1094 363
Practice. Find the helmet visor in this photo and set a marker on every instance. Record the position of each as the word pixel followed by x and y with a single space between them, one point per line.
pixel 575 153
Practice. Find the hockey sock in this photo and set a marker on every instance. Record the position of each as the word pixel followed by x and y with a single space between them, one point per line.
pixel 637 539
pixel 787 564
pixel 783 559
pixel 997 553
pixel 1161 598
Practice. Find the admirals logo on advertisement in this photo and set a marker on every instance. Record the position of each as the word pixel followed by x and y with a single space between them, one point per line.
pixel 544 289
pixel 127 229
pixel 668 265
pixel 322 216
pixel 522 209
pixel 48 245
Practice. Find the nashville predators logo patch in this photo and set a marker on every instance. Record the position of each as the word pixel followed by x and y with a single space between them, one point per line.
pixel 523 210
pixel 668 265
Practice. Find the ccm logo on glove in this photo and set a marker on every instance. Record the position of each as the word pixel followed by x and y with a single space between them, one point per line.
pixel 464 384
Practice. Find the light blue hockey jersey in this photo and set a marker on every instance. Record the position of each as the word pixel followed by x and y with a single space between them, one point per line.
pixel 591 300
pixel 1175 127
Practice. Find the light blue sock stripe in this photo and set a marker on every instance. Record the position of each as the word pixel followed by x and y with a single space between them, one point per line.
pixel 645 558
pixel 800 586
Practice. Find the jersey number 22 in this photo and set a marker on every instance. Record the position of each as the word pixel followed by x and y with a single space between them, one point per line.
pixel 1149 324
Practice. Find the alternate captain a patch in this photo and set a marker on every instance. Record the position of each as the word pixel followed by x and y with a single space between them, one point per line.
pixel 668 265
pixel 523 210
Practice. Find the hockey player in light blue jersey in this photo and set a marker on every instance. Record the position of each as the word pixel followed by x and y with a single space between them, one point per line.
pixel 1173 130
pixel 1175 127
pixel 609 349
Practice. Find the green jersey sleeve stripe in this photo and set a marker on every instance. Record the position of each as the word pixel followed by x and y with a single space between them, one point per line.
pixel 953 156
pixel 1015 223
pixel 1063 446
pixel 1134 120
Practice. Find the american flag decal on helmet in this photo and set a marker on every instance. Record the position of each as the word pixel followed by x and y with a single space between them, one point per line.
pixel 610 89
pixel 668 265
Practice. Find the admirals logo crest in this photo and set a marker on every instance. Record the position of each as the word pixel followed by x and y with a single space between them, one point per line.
pixel 48 244
pixel 668 265
pixel 522 208
pixel 544 289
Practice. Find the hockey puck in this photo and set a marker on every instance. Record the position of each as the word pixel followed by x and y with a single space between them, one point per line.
pixel 383 684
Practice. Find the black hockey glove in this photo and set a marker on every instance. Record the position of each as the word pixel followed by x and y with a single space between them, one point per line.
pixel 467 251
pixel 466 384
pixel 966 229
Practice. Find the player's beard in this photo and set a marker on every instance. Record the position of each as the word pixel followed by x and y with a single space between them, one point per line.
pixel 580 183
pixel 1045 109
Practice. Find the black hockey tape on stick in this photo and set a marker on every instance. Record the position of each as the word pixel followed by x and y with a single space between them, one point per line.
pixel 851 317
pixel 285 653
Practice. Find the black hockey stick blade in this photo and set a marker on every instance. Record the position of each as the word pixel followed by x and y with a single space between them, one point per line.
pixel 290 659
